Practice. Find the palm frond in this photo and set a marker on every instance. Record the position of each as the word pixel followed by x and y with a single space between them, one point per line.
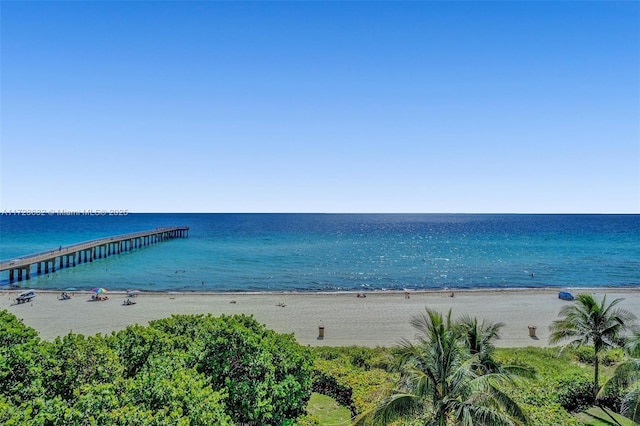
pixel 448 369
pixel 392 408
pixel 471 414
pixel 518 371
pixel 633 344
pixel 625 374
pixel 631 405
pixel 585 321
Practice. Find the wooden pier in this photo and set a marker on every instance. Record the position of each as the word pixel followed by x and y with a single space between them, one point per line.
pixel 20 268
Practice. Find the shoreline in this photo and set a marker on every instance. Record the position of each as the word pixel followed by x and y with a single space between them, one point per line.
pixel 380 319
pixel 613 289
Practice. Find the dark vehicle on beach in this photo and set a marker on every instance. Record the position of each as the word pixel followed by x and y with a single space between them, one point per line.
pixel 25 297
pixel 565 295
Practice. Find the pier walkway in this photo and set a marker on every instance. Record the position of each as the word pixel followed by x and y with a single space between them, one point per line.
pixel 87 251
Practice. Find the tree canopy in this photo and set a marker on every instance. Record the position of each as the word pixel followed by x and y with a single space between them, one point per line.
pixel 183 370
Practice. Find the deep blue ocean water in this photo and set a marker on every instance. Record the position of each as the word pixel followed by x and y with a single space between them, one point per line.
pixel 333 252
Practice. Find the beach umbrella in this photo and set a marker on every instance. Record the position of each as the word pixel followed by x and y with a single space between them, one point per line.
pixel 99 290
pixel 70 289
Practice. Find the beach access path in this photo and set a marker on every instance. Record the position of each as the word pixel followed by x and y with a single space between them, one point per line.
pixel 380 319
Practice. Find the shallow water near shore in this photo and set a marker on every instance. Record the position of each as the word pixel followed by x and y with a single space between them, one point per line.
pixel 339 252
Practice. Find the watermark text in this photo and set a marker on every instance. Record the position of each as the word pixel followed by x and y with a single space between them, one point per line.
pixel 63 212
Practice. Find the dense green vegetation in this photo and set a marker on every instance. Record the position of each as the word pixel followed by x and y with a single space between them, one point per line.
pixel 625 381
pixel 183 370
pixel 588 322
pixel 560 392
pixel 560 389
pixel 228 370
pixel 443 378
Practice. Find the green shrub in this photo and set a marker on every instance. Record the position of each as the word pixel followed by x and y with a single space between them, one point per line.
pixel 22 355
pixel 328 353
pixel 329 378
pixel 362 357
pixel 267 375
pixel 137 345
pixel 352 386
pixel 163 388
pixel 612 399
pixel 575 393
pixel 556 372
pixel 612 356
pixel 188 369
pixel 549 414
pixel 585 354
pixel 75 360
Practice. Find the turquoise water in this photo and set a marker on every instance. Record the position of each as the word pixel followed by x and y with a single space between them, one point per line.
pixel 331 252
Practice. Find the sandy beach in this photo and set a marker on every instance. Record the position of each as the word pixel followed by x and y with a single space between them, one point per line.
pixel 380 319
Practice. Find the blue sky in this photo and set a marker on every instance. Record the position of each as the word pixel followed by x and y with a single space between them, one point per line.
pixel 521 107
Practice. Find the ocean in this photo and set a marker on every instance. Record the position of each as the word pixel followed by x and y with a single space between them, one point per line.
pixel 339 252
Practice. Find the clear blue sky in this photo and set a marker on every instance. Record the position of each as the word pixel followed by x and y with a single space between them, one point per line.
pixel 522 107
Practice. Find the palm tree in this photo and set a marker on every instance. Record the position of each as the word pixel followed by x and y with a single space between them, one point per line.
pixel 633 344
pixel 587 322
pixel 627 376
pixel 478 338
pixel 440 383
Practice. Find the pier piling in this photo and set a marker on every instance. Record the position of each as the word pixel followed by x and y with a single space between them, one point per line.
pixel 88 251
